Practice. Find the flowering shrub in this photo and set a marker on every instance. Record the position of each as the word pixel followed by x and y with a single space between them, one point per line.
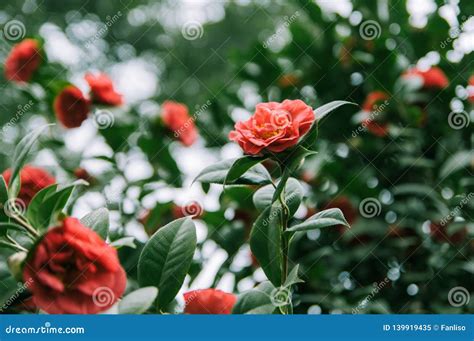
pixel 295 164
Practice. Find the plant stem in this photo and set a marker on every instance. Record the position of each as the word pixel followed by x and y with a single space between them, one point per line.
pixel 27 226
pixel 15 244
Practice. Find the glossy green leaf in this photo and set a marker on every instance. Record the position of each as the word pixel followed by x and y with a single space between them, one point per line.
pixel 326 218
pixel 293 196
pixel 138 301
pixel 217 173
pixel 240 167
pixel 256 301
pixel 98 221
pixel 265 242
pixel 8 226
pixel 122 242
pixel 3 199
pixel 166 258
pixel 456 162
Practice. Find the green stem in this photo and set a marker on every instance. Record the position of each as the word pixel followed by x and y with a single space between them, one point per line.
pixel 15 244
pixel 27 226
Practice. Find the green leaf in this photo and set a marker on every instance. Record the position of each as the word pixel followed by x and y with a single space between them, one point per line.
pixel 293 277
pixel 256 301
pixel 6 226
pixel 19 156
pixel 98 221
pixel 35 206
pixel 166 258
pixel 265 242
pixel 310 137
pixel 3 199
pixel 53 203
pixel 240 166
pixel 138 301
pixel 326 218
pixel 217 173
pixel 122 242
pixel 456 162
pixel 293 196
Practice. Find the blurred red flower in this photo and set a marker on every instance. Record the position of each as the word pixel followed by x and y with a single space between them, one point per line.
pixel 471 89
pixel 273 127
pixel 71 107
pixel 373 107
pixel 209 301
pixel 73 271
pixel 23 61
pixel 33 179
pixel 102 89
pixel 433 78
pixel 176 118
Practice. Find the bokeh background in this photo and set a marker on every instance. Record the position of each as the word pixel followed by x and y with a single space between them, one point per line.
pixel 221 58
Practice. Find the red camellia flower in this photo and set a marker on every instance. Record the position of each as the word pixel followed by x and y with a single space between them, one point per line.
pixel 441 233
pixel 273 127
pixel 470 90
pixel 176 118
pixel 433 78
pixel 33 179
pixel 372 108
pixel 102 89
pixel 71 107
pixel 23 61
pixel 73 271
pixel 208 301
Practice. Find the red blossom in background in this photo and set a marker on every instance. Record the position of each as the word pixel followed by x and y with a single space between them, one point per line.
pixel 433 78
pixel 71 107
pixel 176 118
pixel 102 89
pixel 33 179
pixel 23 61
pixel 73 271
pixel 471 89
pixel 371 107
pixel 273 127
pixel 208 301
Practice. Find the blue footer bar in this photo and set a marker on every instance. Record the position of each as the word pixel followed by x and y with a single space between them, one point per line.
pixel 235 327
